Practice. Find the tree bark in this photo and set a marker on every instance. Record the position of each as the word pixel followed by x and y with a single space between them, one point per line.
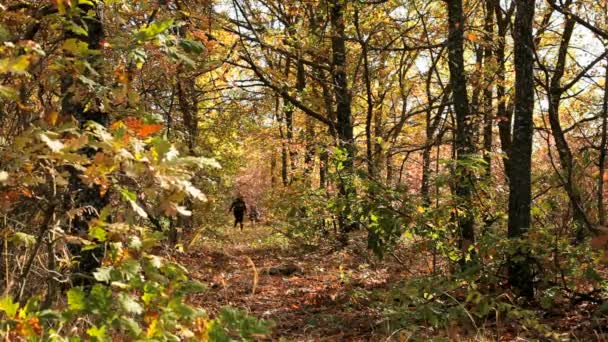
pixel 503 113
pixel 520 189
pixel 368 97
pixel 343 111
pixel 602 159
pixel 555 93
pixel 72 105
pixel 488 92
pixel 463 139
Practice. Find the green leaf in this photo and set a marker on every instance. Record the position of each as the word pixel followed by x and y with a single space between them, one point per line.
pixel 98 333
pixel 128 195
pixel 155 261
pixel 9 307
pixel 77 47
pixel 131 325
pixel 103 274
pixel 135 243
pixel 161 146
pixel 153 30
pixel 192 46
pixel 72 26
pixel 5 34
pixel 190 287
pixel 8 92
pixel 76 299
pixel 129 304
pixel 16 65
pixel 100 298
pixel 23 238
pixel 96 232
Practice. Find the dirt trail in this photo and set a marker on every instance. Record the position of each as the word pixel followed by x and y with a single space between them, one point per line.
pixel 325 299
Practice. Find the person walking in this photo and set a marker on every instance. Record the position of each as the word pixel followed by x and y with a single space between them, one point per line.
pixel 238 207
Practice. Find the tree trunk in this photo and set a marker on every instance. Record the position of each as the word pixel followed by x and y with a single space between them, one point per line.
pixel 73 105
pixel 273 168
pixel 520 189
pixel 488 88
pixel 369 99
pixel 289 163
pixel 463 140
pixel 343 111
pixel 503 113
pixel 602 160
pixel 555 92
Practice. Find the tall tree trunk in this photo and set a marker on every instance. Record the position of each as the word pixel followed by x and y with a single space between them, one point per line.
pixel 555 93
pixel 602 160
pixel 378 157
pixel 74 105
pixel 309 153
pixel 503 112
pixel 604 140
pixel 343 111
pixel 189 111
pixel 273 168
pixel 368 97
pixel 488 92
pixel 284 159
pixel 288 109
pixel 463 140
pixel 329 111
pixel 520 188
pixel 309 156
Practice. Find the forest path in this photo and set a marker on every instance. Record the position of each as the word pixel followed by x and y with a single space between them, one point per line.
pixel 328 297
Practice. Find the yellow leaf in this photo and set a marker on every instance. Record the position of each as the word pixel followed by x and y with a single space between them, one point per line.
pixel 52 117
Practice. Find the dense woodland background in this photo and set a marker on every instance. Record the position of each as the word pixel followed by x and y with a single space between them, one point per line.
pixel 425 169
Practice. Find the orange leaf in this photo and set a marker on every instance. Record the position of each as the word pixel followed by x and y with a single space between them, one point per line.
pixel 147 130
pixel 52 117
pixel 472 36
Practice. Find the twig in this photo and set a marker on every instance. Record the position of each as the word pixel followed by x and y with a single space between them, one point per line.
pixel 28 265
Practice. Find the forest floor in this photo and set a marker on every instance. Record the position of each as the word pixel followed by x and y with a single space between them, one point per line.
pixel 325 294
pixel 310 295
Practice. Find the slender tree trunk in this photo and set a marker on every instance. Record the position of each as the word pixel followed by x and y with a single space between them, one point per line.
pixel 476 106
pixel 273 168
pixel 368 97
pixel 488 92
pixel 73 104
pixel 309 156
pixel 284 162
pixel 185 85
pixel 378 133
pixel 555 93
pixel 604 140
pixel 288 115
pixel 463 140
pixel 284 149
pixel 426 174
pixel 284 152
pixel 503 113
pixel 602 160
pixel 309 153
pixel 329 110
pixel 323 162
pixel 343 111
pixel 520 189
pixel 389 168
